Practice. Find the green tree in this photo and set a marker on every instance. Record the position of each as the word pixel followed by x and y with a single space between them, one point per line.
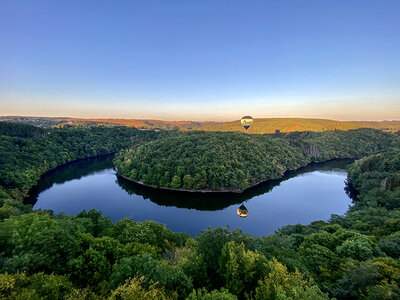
pixel 96 224
pixel 202 294
pixel 281 284
pixel 170 278
pixel 94 265
pixel 187 181
pixel 358 248
pixel 136 289
pixel 37 286
pixel 35 243
pixel 240 268
pixel 356 278
pixel 391 245
pixel 175 182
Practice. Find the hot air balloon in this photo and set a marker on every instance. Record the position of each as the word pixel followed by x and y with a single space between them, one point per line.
pixel 242 211
pixel 246 121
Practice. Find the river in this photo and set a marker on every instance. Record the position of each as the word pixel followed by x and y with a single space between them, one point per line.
pixel 309 194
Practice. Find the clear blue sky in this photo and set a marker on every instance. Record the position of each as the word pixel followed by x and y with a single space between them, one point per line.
pixel 200 60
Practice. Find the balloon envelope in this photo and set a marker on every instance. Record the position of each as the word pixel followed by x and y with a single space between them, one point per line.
pixel 246 121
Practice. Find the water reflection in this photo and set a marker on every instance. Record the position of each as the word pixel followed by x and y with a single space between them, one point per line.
pixel 220 200
pixel 303 196
pixel 193 200
pixel 242 211
pixel 68 172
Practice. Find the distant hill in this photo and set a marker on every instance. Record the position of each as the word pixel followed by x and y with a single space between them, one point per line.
pixel 260 126
pixel 270 125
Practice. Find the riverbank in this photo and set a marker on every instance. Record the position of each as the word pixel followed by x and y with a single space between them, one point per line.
pixel 223 162
pixel 32 190
pixel 26 159
pixel 238 191
pixel 93 184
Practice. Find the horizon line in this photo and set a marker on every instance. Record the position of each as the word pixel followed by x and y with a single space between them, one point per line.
pixel 153 119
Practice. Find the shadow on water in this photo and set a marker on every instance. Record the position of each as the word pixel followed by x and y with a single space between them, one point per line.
pixel 218 201
pixel 198 201
pixel 73 170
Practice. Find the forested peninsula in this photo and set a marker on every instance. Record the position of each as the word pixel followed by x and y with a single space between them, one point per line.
pixel 58 256
pixel 227 161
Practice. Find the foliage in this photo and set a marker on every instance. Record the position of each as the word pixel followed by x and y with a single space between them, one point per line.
pixel 281 284
pixel 135 289
pixel 202 294
pixel 240 268
pixel 172 278
pixel 343 144
pixel 34 243
pixel 373 277
pixel 234 161
pixel 21 130
pixel 27 152
pixel 37 286
pixel 47 256
pixel 213 161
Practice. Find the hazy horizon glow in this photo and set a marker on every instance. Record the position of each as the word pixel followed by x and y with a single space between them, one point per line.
pixel 201 60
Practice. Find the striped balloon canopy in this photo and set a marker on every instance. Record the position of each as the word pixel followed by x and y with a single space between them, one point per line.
pixel 246 121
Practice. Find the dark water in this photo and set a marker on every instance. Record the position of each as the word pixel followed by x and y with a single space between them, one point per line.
pixel 312 193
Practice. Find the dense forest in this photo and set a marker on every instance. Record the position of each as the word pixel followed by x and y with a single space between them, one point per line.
pixel 225 161
pixel 27 152
pixel 323 146
pixel 215 161
pixel 46 256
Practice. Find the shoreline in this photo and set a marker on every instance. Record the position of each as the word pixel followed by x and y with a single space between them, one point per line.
pixel 74 161
pixel 28 193
pixel 232 191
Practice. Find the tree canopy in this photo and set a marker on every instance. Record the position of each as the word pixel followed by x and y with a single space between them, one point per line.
pixel 226 161
pixel 47 256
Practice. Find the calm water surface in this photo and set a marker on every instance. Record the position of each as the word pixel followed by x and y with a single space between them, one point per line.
pixel 312 193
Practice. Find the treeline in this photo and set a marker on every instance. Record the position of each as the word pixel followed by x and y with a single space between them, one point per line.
pixel 234 161
pixel 287 125
pixel 260 126
pixel 355 256
pixel 88 257
pixel 46 256
pixel 24 159
pixel 212 160
pixel 357 143
pixel 21 130
pixel 34 121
